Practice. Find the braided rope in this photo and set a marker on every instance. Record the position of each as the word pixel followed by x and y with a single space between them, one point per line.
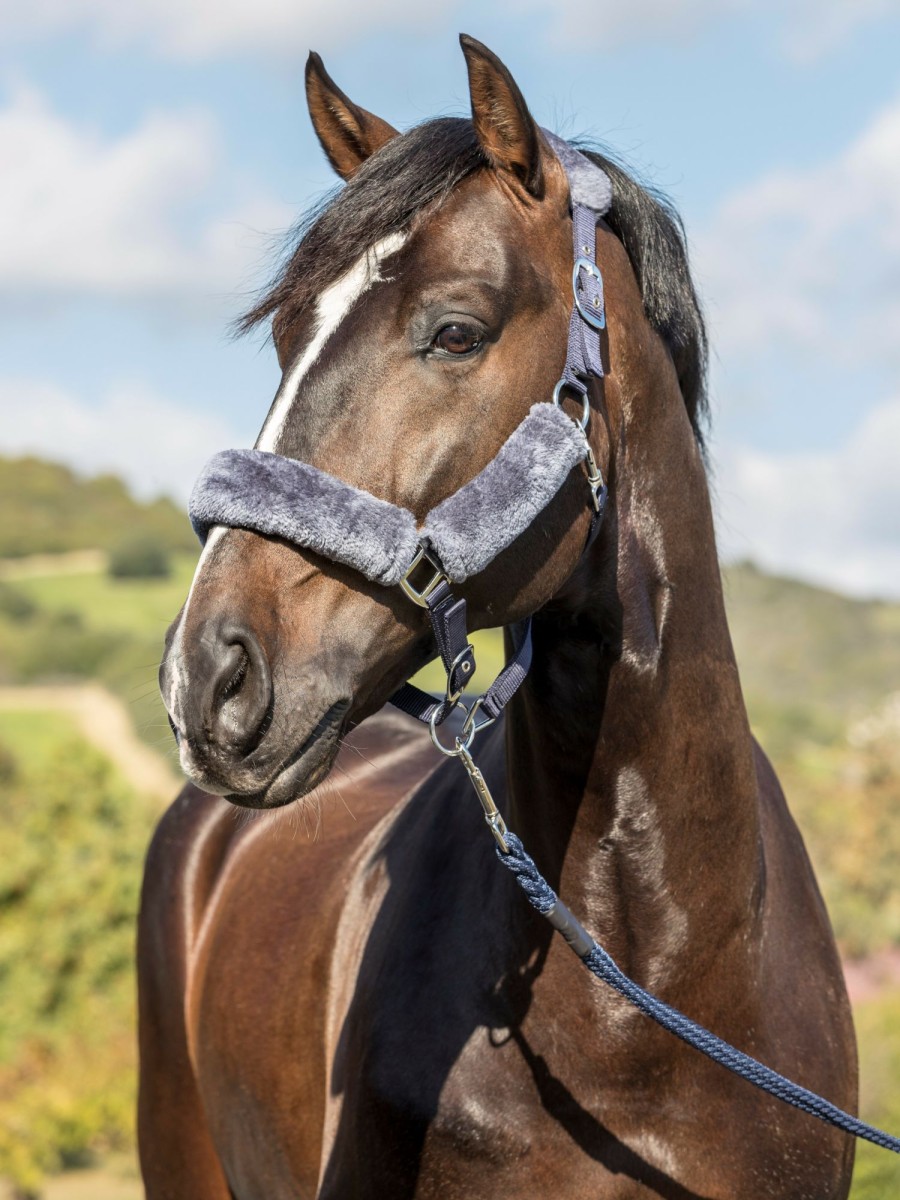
pixel 544 899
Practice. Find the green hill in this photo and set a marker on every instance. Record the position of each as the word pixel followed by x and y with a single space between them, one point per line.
pixel 48 509
pixel 811 660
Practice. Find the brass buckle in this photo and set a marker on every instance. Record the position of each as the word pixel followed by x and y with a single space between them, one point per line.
pixel 420 595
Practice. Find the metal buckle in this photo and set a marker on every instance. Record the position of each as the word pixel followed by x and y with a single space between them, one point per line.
pixel 420 595
pixel 585 401
pixel 467 668
pixel 597 318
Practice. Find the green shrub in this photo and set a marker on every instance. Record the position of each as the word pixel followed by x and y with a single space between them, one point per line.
pixel 15 604
pixel 141 556
pixel 74 840
pixel 877 1173
pixel 48 509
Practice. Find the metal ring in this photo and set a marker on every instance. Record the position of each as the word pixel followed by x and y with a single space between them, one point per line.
pixel 469 728
pixel 585 402
pixel 460 743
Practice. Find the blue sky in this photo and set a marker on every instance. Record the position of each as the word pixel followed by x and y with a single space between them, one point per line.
pixel 153 151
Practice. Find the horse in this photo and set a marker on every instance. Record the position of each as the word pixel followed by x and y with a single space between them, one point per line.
pixel 374 1011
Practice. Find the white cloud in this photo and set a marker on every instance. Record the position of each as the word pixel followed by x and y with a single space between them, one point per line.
pixel 810 259
pixel 80 213
pixel 197 29
pixel 803 29
pixel 801 273
pixel 157 446
pixel 204 29
pixel 833 517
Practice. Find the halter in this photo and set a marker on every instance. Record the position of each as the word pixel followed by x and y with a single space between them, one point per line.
pixel 278 496
pixel 271 494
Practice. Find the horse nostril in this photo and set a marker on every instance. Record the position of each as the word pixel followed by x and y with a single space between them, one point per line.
pixel 232 685
pixel 239 690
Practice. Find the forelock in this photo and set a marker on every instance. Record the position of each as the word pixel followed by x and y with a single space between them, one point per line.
pixel 411 172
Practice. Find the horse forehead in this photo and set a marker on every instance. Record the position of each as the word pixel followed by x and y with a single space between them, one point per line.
pixel 476 233
pixel 331 308
pixel 478 230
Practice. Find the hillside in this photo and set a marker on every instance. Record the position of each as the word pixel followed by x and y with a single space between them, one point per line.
pixel 48 509
pixel 811 660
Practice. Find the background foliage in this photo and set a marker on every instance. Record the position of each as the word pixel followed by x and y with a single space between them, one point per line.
pixel 74 838
pixel 47 509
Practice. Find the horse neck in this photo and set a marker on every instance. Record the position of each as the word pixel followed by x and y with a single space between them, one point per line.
pixel 630 762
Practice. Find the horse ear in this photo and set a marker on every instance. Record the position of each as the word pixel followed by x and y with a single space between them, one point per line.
pixel 505 128
pixel 348 133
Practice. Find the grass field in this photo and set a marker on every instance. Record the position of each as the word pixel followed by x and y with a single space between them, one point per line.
pixel 136 606
pixel 34 737
pixel 117 1179
pixel 144 608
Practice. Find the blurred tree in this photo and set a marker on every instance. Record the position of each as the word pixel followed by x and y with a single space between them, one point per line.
pixel 141 556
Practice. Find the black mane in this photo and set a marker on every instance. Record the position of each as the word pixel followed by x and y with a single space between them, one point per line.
pixel 423 166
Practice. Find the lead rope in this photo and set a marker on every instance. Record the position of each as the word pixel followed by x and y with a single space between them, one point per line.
pixel 448 621
pixel 599 963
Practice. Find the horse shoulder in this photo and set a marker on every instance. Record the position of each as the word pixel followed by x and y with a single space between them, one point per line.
pixel 243 919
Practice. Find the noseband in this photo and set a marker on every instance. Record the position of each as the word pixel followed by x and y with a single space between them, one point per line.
pixel 283 497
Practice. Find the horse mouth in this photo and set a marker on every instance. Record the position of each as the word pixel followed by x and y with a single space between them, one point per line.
pixel 305 768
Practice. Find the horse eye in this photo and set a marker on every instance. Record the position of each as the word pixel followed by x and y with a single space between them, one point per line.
pixel 457 339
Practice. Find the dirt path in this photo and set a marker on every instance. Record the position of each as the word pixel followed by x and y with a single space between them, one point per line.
pixel 104 720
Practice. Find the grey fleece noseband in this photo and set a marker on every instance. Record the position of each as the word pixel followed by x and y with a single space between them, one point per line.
pixel 270 494
pixel 278 496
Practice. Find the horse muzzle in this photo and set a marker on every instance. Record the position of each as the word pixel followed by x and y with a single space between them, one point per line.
pixel 220 695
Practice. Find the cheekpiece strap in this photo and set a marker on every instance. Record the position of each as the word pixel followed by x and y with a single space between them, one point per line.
pixel 591 194
pixel 286 498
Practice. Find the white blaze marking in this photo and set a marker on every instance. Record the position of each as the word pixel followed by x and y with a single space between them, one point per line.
pixel 178 673
pixel 331 308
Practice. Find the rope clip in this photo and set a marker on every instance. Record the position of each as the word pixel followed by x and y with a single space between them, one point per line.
pixel 492 814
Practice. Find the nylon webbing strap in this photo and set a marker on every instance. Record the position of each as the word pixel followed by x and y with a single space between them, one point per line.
pixel 448 616
pixel 425 708
pixel 583 356
pixel 448 623
pixel 512 676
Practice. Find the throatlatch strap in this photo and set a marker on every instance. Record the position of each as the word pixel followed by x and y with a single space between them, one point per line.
pixel 425 708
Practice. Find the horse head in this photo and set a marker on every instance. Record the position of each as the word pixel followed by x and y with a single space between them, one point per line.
pixel 422 314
